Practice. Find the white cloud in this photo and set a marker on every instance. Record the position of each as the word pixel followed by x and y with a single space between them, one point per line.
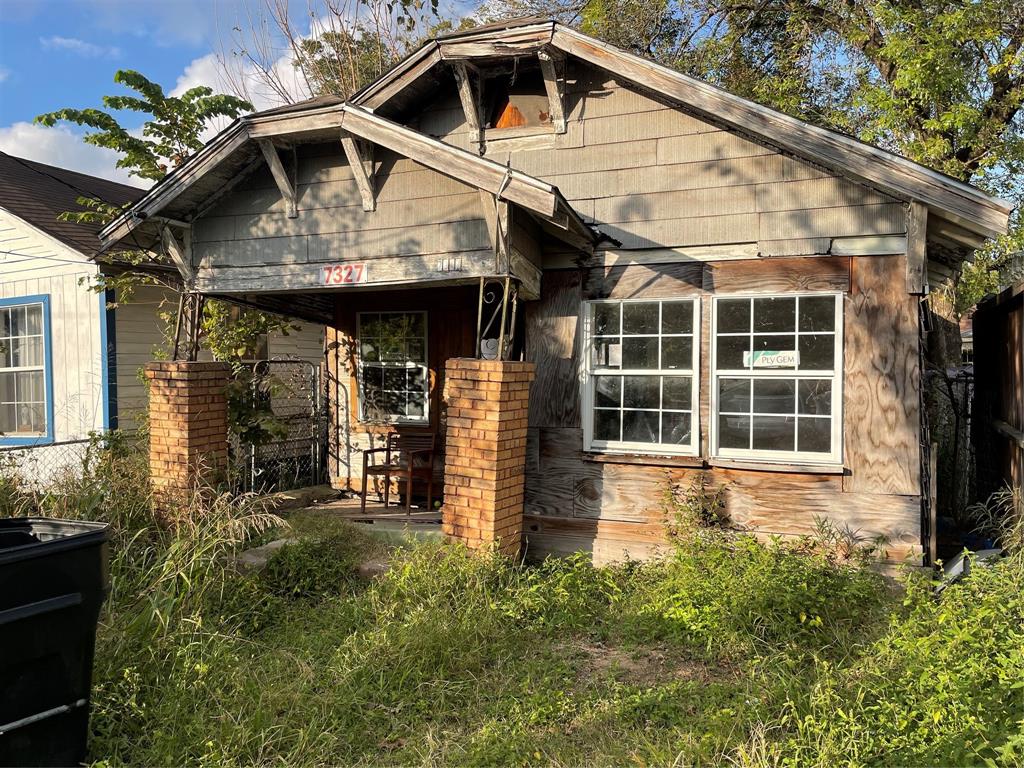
pixel 64 148
pixel 79 47
pixel 4 74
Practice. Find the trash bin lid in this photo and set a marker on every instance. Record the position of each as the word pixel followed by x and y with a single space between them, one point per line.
pixel 25 537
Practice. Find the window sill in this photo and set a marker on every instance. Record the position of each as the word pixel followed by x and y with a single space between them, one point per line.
pixel 647 460
pixel 775 466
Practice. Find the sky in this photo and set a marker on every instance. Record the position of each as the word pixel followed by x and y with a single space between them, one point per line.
pixel 64 53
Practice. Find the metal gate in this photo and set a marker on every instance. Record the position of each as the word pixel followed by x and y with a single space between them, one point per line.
pixel 288 396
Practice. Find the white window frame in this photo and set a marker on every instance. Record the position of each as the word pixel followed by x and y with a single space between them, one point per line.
pixel 588 374
pixel 835 457
pixel 46 435
pixel 392 418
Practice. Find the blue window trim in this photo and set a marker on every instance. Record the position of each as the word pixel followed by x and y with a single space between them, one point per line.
pixel 108 359
pixel 45 439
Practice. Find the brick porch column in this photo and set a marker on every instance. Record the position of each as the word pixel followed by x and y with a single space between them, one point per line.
pixel 485 451
pixel 188 427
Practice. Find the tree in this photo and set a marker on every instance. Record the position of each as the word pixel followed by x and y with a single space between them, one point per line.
pixel 168 138
pixel 170 135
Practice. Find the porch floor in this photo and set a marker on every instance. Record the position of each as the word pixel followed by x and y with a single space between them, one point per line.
pixel 348 508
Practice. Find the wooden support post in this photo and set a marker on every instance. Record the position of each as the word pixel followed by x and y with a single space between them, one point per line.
pixel 553 69
pixel 284 184
pixel 360 159
pixel 469 95
pixel 181 257
pixel 917 248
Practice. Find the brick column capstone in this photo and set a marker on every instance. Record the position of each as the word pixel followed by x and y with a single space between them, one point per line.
pixel 188 428
pixel 485 451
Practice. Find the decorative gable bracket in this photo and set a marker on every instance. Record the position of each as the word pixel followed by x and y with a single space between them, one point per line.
pixel 552 67
pixel 468 82
pixel 360 159
pixel 284 184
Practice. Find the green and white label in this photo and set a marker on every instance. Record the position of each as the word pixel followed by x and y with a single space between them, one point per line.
pixel 763 358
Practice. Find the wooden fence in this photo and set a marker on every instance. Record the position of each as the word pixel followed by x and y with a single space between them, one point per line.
pixel 999 390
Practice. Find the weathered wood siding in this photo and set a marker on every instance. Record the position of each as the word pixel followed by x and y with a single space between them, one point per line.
pixel 50 268
pixel 652 176
pixel 248 242
pixel 616 504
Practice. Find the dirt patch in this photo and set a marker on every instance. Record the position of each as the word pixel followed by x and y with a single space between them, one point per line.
pixel 642 666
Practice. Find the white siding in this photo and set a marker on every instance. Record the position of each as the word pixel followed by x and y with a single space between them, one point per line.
pixel 33 263
pixel 139 337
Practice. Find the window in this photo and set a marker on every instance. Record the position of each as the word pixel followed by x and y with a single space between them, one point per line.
pixel 393 374
pixel 776 377
pixel 24 406
pixel 640 389
pixel 521 102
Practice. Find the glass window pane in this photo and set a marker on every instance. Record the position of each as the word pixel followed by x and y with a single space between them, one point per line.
pixel 607 353
pixel 774 396
pixel 733 315
pixel 677 392
pixel 640 391
pixel 394 403
pixel 734 431
pixel 675 428
pixel 817 352
pixel 815 435
pixel 417 351
pixel 30 419
pixel 370 352
pixel 677 352
pixel 27 351
pixel 640 352
pixel 677 317
pixel 30 387
pixel 775 315
pixel 18 324
pixel 606 425
pixel 369 325
pixel 415 325
pixel 640 426
pixel 773 433
pixel 34 319
pixel 640 318
pixel 394 379
pixel 774 344
pixel 416 379
pixel 5 322
pixel 608 391
pixel 7 417
pixel 734 395
pixel 7 387
pixel 6 353
pixel 416 405
pixel 817 313
pixel 606 319
pixel 730 352
pixel 815 397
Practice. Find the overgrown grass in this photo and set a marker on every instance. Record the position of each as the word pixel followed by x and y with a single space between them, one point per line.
pixel 725 652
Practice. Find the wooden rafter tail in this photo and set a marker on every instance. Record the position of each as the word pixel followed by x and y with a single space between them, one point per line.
pixel 360 159
pixel 552 69
pixel 284 184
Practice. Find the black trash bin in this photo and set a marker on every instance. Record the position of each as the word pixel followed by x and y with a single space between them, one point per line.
pixel 53 580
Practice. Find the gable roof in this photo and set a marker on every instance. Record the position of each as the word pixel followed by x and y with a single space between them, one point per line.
pixel 962 204
pixel 225 158
pixel 39 194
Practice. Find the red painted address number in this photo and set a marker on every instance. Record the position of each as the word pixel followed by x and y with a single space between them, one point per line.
pixel 343 274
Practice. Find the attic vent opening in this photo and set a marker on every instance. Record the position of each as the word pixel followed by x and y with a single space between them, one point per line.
pixel 521 102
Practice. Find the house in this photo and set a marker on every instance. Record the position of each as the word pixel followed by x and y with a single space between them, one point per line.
pixel 698 287
pixel 69 355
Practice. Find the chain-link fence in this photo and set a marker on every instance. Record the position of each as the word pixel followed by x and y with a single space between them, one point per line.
pixel 287 447
pixel 40 466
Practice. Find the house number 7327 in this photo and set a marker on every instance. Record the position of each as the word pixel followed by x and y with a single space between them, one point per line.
pixel 343 274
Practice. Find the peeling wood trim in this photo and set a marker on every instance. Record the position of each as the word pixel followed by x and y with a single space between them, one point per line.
pixel 553 71
pixel 284 184
pixel 869 245
pixel 917 247
pixel 360 160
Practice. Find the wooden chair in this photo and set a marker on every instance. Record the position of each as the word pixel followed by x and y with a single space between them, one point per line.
pixel 408 455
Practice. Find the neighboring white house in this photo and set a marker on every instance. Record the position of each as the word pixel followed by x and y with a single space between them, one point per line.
pixel 69 355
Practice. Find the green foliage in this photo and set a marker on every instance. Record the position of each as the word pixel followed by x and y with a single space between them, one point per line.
pixel 168 137
pixel 723 651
